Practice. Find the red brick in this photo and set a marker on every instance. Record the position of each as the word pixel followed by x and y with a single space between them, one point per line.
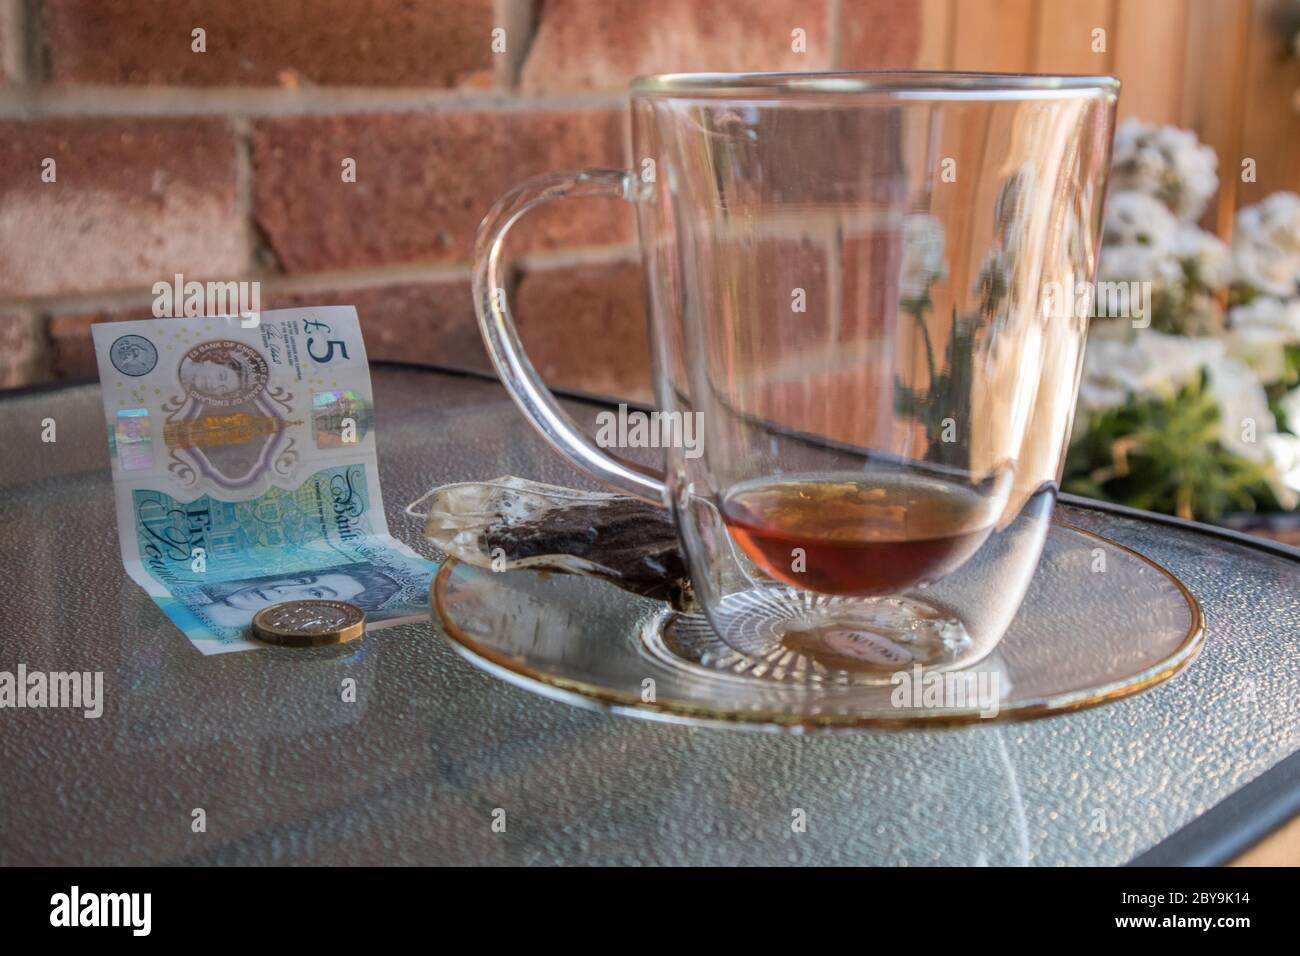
pixel 870 266
pixel 585 328
pixel 602 44
pixel 72 354
pixel 425 43
pixel 431 322
pixel 423 183
pixel 879 34
pixel 832 158
pixel 755 321
pixel 428 322
pixel 24 353
pixel 134 201
pixel 852 405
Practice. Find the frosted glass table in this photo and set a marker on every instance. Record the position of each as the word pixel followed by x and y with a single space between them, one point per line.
pixel 1195 770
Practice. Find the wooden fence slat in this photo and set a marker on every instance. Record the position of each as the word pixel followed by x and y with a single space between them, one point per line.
pixel 1270 133
pixel 1216 67
pixel 1213 87
pixel 1150 46
pixel 936 35
pixel 994 36
pixel 1064 40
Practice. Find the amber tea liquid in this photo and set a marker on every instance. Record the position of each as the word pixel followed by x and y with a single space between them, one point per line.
pixel 859 535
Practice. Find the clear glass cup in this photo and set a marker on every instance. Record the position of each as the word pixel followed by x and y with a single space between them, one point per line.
pixel 868 295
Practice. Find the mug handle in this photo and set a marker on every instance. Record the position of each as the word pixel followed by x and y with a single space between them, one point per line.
pixel 502 339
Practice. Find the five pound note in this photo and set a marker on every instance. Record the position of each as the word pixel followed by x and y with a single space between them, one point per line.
pixel 244 470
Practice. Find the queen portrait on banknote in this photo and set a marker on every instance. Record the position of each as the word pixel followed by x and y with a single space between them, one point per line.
pixel 234 603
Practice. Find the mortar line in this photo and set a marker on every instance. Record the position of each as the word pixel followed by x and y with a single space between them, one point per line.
pixel 29 102
pixel 244 200
pixel 364 278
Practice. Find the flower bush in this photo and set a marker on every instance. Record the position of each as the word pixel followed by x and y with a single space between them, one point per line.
pixel 1195 408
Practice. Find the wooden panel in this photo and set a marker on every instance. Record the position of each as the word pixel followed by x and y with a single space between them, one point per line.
pixel 1213 86
pixel 1217 67
pixel 1149 47
pixel 1271 127
pixel 993 36
pixel 935 52
pixel 1064 36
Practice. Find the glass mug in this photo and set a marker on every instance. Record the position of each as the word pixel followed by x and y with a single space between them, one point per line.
pixel 868 295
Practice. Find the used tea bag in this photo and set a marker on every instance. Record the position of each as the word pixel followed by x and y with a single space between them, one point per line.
pixel 509 523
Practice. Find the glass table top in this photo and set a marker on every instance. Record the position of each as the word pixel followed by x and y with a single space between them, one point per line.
pixel 432 750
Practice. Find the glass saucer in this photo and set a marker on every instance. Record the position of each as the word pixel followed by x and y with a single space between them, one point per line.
pixel 1100 622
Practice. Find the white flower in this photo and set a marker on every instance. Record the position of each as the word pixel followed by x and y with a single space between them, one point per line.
pixel 1282 452
pixel 1137 264
pixel 1138 241
pixel 1168 163
pixel 1244 415
pixel 1290 406
pixel 1265 313
pixel 1259 333
pixel 1110 375
pixel 1206 252
pixel 923 262
pixel 1173 360
pixel 1135 218
pixel 1148 363
pixel 1266 245
pixel 1260 349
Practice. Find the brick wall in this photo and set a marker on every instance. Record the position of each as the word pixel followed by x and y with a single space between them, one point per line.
pixel 226 164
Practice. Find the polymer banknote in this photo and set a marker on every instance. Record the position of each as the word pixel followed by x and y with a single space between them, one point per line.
pixel 245 472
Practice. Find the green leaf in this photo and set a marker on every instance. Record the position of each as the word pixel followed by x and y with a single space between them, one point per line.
pixel 1163 454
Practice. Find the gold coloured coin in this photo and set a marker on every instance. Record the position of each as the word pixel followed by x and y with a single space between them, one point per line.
pixel 309 623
